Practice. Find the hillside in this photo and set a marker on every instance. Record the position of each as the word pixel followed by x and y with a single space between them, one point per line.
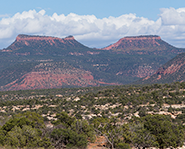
pixel 172 71
pixel 48 75
pixel 27 48
pixel 84 66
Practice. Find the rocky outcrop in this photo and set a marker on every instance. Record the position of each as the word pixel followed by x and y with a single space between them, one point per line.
pixel 53 79
pixel 141 71
pixel 172 71
pixel 53 75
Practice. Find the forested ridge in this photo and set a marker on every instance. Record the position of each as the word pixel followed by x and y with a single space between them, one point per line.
pixel 125 116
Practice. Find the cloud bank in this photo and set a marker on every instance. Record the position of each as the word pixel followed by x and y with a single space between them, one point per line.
pixel 92 31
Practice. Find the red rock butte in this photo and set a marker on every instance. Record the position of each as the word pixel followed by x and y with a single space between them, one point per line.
pixel 151 38
pixel 27 40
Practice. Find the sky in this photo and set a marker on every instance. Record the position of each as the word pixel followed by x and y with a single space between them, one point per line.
pixel 94 23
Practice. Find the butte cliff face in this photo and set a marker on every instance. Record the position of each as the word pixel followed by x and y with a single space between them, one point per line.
pixel 26 40
pixel 43 45
pixel 36 62
pixel 151 44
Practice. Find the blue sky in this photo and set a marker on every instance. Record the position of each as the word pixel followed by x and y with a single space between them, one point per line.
pixel 100 8
pixel 95 23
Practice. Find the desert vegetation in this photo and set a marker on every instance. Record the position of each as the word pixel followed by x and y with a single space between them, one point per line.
pixel 125 116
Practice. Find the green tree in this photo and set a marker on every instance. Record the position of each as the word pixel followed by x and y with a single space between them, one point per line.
pixel 71 133
pixel 15 138
pixel 24 130
pixel 166 133
pixel 68 138
pixel 2 136
pixel 64 118
pixel 142 137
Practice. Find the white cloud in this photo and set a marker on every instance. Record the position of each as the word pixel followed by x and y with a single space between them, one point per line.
pixel 4 15
pixel 171 16
pixel 92 31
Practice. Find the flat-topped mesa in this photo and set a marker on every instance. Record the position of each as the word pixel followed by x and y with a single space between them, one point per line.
pixel 33 40
pixel 23 37
pixel 146 37
pixel 131 39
